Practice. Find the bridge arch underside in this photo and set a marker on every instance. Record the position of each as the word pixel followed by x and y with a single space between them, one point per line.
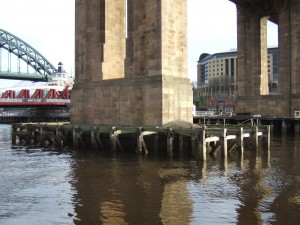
pixel 253 96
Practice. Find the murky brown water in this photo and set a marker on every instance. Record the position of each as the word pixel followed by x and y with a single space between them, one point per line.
pixel 47 186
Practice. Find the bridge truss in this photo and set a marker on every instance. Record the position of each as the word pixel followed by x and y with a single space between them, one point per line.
pixel 29 55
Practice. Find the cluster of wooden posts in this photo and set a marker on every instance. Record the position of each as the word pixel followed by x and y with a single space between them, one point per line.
pixel 200 141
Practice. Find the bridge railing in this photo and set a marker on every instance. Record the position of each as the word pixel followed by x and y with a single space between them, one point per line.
pixel 203 113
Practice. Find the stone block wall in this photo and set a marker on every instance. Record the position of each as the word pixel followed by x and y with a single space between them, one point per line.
pixel 267 106
pixel 149 86
pixel 132 101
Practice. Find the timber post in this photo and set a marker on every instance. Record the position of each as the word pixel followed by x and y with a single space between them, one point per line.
pixel 170 139
pixel 28 135
pixel 59 137
pixel 95 138
pixel 13 135
pixel 42 136
pixel 180 144
pixel 256 137
pixel 156 139
pixel 77 137
pixel 201 144
pixel 241 140
pixel 224 143
pixel 140 139
pixel 113 139
pixel 267 139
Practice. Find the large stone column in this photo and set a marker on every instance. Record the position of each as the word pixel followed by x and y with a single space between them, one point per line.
pixel 99 54
pixel 253 87
pixel 100 40
pixel 155 88
pixel 289 53
pixel 252 53
pixel 157 48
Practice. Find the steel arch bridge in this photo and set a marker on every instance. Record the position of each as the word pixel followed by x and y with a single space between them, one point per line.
pixel 29 55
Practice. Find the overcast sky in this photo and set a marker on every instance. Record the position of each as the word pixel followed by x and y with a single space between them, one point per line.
pixel 48 26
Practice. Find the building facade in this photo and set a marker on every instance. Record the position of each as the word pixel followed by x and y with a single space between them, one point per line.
pixel 222 104
pixel 217 73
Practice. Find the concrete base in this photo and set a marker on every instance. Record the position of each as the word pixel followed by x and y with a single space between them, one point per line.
pixel 151 100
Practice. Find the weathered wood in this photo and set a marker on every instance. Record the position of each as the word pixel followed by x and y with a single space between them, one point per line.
pixel 13 135
pixel 77 137
pixel 118 142
pixel 212 137
pixel 42 137
pixel 28 135
pixel 232 145
pixel 180 140
pixel 95 138
pixel 156 139
pixel 170 139
pixel 214 148
pixel 224 143
pixel 145 147
pixel 256 137
pixel 267 139
pixel 203 145
pixel 241 139
pixel 139 135
pixel 59 137
pixel 113 139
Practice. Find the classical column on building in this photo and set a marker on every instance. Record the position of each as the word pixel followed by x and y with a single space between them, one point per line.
pixel 154 89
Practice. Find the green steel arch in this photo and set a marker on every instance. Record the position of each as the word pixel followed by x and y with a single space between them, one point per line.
pixel 24 51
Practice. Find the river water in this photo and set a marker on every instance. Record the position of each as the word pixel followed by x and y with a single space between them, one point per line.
pixel 50 186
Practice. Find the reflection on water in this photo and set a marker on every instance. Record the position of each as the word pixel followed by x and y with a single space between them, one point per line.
pixel 47 186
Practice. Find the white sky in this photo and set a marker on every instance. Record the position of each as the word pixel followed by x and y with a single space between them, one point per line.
pixel 48 26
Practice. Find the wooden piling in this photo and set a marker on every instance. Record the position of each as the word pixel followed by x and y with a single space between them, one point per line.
pixel 170 139
pixel 13 135
pixel 95 138
pixel 113 140
pixel 59 137
pixel 28 135
pixel 267 139
pixel 180 143
pixel 42 136
pixel 241 140
pixel 156 139
pixel 224 143
pixel 77 137
pixel 256 137
pixel 213 137
pixel 139 135
pixel 203 152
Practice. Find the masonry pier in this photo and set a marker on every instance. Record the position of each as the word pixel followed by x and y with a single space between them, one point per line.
pixel 145 140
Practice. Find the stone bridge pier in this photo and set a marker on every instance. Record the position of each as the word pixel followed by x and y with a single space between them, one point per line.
pixel 131 68
pixel 253 95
